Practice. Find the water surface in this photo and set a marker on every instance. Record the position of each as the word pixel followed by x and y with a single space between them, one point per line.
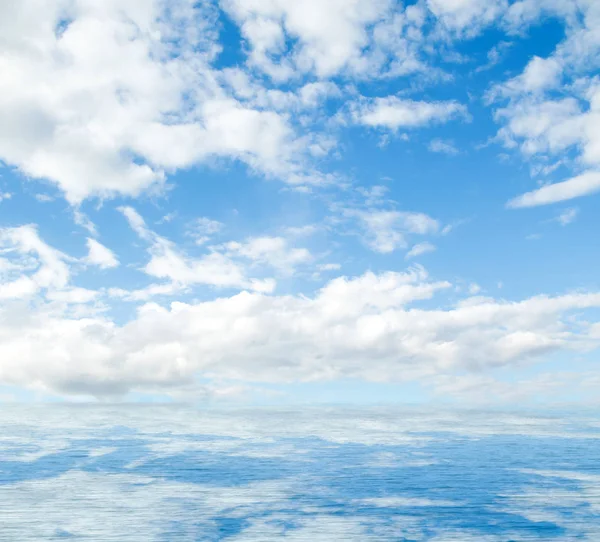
pixel 170 473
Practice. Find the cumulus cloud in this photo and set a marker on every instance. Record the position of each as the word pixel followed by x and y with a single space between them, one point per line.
pixel 29 265
pixel 169 263
pixel 466 16
pixel 100 255
pixel 554 104
pixel 539 75
pixel 385 231
pixel 546 127
pixel 107 99
pixel 392 112
pixel 228 265
pixel 116 118
pixel 368 327
pixel 275 252
pixel 31 271
pixel 330 35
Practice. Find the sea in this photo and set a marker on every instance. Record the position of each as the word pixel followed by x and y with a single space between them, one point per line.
pixel 98 472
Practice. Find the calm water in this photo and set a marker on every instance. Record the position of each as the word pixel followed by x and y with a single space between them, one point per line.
pixel 320 474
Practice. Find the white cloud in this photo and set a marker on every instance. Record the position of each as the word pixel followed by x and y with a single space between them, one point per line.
pixel 554 105
pixel 392 112
pixel 213 269
pixel 228 265
pixel 137 223
pixel 203 228
pixel 302 231
pixel 329 267
pixel 274 252
pixel 304 98
pixel 31 271
pixel 117 119
pixel 474 288
pixel 541 126
pixel 582 185
pixel 495 55
pixel 32 265
pixel 442 146
pixel 148 292
pixel 101 121
pixel 73 296
pixel 540 74
pixel 60 110
pixel 5 196
pixel 365 327
pixel 386 231
pixel 330 35
pixel 169 217
pixel 544 128
pixel 549 387
pixel 466 16
pixel 168 262
pixel 44 198
pixel 100 255
pixel 420 249
pixel 19 288
pixel 81 219
pixel 567 216
pixel 526 12
pixel 398 43
pixel 382 232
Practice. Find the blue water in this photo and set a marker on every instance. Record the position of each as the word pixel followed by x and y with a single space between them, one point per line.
pixel 145 473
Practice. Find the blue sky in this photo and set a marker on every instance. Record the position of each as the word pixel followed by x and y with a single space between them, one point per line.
pixel 348 201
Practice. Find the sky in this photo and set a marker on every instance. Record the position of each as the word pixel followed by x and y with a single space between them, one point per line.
pixel 270 201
